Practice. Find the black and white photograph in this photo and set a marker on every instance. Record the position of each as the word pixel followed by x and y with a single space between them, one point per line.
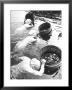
pixel 37 42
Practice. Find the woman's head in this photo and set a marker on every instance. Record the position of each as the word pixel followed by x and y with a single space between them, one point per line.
pixel 29 19
pixel 45 31
pixel 35 64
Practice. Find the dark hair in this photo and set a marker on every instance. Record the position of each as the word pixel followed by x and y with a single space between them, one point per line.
pixel 30 16
pixel 44 26
pixel 45 34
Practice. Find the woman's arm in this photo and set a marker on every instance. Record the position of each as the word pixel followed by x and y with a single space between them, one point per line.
pixel 22 44
pixel 25 65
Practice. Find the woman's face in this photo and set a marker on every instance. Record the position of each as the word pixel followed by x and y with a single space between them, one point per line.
pixel 28 21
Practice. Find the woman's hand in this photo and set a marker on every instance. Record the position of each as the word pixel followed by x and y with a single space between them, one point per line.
pixel 31 39
pixel 43 61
